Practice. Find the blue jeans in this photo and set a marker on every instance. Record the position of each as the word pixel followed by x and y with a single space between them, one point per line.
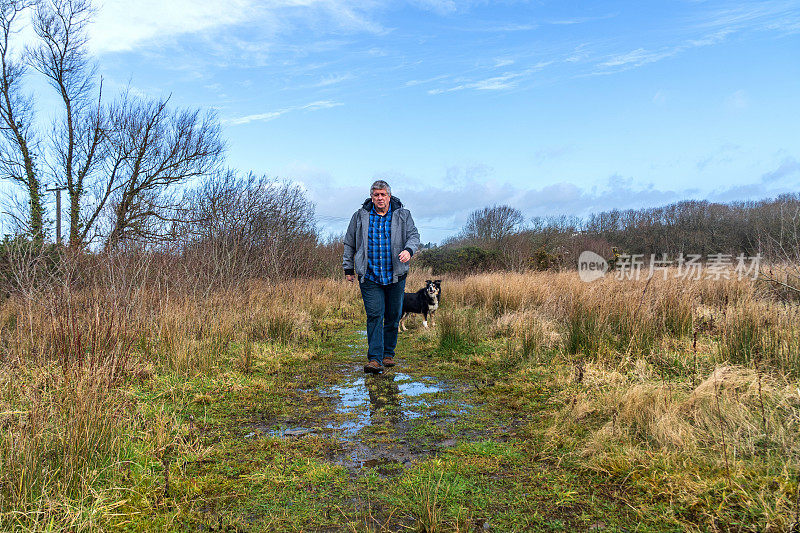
pixel 384 305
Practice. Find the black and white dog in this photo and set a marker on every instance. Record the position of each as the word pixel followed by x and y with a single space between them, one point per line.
pixel 425 301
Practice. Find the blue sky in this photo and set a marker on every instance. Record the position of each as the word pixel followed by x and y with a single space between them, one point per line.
pixel 552 107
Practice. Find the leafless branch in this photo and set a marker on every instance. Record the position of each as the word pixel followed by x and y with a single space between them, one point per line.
pixel 18 140
pixel 153 149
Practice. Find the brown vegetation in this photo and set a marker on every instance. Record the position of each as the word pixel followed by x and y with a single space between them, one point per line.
pixel 640 402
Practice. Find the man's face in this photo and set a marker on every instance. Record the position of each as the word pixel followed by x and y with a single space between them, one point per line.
pixel 380 198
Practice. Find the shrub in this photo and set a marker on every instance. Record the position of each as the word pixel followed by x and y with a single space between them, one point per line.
pixel 462 260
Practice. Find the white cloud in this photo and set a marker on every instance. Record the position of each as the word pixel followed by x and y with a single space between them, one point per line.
pixel 581 20
pixel 789 166
pixel 711 39
pixel 496 83
pixel 412 83
pixel 272 115
pixel 724 155
pixel 638 57
pixel 580 53
pixel 508 28
pixel 738 100
pixel 782 15
pixel 504 28
pixel 333 79
pixel 508 80
pixel 258 117
pixel 448 90
pixel 552 152
pixel 314 106
pixel 715 27
pixel 123 26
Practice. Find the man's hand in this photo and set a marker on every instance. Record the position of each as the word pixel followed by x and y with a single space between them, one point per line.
pixel 405 257
pixel 350 277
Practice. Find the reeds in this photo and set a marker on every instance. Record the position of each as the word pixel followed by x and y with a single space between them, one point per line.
pixel 459 332
pixel 436 498
pixel 60 440
pixel 757 332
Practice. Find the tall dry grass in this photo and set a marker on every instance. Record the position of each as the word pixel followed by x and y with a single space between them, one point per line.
pixel 628 375
pixel 684 390
pixel 77 336
pixel 62 433
pixel 611 317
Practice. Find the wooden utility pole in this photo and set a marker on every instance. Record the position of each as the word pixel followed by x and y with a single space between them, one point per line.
pixel 58 190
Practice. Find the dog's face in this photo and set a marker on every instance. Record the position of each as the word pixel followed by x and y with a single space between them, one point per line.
pixel 433 287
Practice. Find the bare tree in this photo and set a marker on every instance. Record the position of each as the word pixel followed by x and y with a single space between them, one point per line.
pixel 252 227
pixel 153 149
pixel 18 140
pixel 782 245
pixel 492 224
pixel 120 164
pixel 78 137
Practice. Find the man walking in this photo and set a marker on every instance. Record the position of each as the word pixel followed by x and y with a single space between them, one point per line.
pixel 378 245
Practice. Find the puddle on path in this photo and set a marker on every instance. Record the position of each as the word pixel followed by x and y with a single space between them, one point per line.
pixel 383 421
pixel 377 418
pixel 391 397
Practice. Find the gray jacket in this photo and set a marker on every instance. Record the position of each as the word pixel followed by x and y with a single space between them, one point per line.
pixel 404 237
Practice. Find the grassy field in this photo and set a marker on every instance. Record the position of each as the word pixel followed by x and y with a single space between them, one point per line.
pixel 536 403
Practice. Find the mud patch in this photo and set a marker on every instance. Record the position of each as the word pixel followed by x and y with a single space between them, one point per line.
pixel 384 422
pixel 389 421
pixel 377 400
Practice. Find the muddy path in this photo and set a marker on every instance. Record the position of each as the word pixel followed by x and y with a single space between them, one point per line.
pixel 434 444
pixel 381 421
pixel 387 422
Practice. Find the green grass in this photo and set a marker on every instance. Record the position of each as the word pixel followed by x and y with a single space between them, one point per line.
pixel 459 332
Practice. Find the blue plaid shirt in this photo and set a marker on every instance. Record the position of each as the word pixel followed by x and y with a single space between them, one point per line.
pixel 379 247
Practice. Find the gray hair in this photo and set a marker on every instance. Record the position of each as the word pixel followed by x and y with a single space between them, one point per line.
pixel 380 185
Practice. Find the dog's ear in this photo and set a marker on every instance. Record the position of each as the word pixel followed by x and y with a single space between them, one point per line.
pixel 437 282
pixel 427 281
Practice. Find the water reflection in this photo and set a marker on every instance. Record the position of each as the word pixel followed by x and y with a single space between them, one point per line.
pixel 388 398
pixel 384 398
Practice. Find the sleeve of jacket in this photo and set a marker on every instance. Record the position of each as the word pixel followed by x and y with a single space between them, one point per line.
pixel 350 246
pixel 412 236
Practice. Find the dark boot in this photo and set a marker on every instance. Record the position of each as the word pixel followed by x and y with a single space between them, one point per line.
pixel 373 367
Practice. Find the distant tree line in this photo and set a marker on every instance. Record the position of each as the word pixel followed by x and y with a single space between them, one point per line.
pixel 498 237
pixel 699 227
